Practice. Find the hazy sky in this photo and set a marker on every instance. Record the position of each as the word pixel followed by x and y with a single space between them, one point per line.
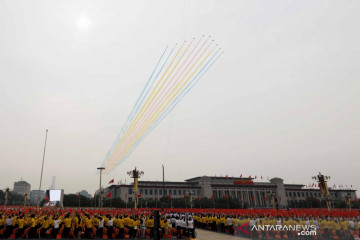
pixel 283 100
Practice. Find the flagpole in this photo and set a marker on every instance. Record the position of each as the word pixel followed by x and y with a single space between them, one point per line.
pixel 42 168
pixel 100 195
pixel 163 185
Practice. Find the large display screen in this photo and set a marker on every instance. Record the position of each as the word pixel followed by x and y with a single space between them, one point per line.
pixel 55 195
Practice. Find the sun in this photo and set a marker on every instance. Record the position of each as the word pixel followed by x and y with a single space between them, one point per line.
pixel 83 22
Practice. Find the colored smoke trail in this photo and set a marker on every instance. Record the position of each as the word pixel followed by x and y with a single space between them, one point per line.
pixel 166 86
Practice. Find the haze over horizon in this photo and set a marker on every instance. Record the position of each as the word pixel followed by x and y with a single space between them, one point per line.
pixel 281 102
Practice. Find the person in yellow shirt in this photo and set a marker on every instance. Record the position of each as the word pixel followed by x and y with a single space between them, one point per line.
pixel 151 226
pixel 32 223
pixel 21 224
pixel 67 226
pixel 130 225
pixel 345 227
pixel 88 222
pixel 121 227
pixel 45 225
pixel 77 226
pixel 222 223
pixel 126 221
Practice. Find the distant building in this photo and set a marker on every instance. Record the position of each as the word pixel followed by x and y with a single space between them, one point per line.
pixel 244 189
pixel 85 193
pixel 34 196
pixel 52 186
pixel 21 187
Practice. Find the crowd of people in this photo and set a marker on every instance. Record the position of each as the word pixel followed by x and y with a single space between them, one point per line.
pixel 283 224
pixel 30 222
pixel 48 222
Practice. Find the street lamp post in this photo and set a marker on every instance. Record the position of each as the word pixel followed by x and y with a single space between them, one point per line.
pixel 135 174
pixel 272 199
pixel 101 193
pixel 347 201
pixel 42 168
pixel 324 190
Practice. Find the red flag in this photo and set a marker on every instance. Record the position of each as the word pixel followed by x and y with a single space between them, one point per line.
pixel 253 198
pixel 95 195
pixel 250 177
pixel 79 194
pixel 267 198
pixel 226 176
pixel 184 196
pixel 198 197
pixel 112 181
pixel 212 197
pixel 226 196
pixel 319 200
pixel 241 175
pixel 255 177
pixel 139 195
pixel 47 199
pixel 355 200
pixel 108 195
pixel 169 196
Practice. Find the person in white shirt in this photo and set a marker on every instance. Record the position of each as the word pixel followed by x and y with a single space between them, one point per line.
pixel 178 227
pixel 230 223
pixel 352 225
pixel 252 223
pixel 183 225
pixel 56 229
pixel 143 227
pixel 173 221
pixel 190 227
pixel 316 224
pixel 110 226
pixel 9 227
pixel 101 227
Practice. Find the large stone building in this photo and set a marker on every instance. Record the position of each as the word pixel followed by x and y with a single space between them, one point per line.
pixel 22 187
pixel 245 189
